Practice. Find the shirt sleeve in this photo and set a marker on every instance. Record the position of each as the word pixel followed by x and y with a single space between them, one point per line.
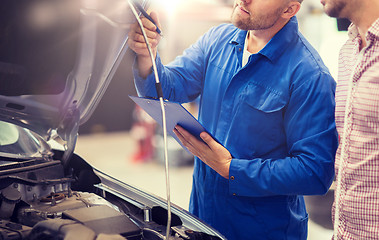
pixel 312 142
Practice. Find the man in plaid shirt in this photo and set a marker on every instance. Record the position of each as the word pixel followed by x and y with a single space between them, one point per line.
pixel 356 205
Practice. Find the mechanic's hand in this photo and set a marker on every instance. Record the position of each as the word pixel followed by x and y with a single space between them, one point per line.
pixel 211 152
pixel 136 42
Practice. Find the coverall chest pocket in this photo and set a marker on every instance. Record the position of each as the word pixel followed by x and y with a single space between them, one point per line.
pixel 264 99
pixel 262 109
pixel 260 118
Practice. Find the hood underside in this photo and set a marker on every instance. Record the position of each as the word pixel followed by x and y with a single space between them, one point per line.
pixel 57 58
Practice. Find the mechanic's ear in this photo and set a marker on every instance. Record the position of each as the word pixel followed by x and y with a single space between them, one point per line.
pixel 291 10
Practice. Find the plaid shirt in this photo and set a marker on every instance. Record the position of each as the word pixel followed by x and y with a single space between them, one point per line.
pixel 356 207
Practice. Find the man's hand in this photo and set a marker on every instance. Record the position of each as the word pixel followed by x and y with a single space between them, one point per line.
pixel 211 152
pixel 136 42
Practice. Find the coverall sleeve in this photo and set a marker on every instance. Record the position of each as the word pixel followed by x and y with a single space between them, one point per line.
pixel 182 79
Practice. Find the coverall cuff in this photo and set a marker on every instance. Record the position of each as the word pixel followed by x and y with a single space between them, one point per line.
pixel 144 85
pixel 234 188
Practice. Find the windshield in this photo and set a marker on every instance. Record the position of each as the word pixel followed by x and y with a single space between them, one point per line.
pixel 20 143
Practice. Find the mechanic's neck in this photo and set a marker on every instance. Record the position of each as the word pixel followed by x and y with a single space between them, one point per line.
pixel 257 39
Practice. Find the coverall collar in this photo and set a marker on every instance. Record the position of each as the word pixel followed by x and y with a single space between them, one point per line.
pixel 277 45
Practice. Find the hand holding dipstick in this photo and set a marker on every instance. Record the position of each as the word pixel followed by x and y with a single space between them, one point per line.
pixel 137 41
pixel 146 15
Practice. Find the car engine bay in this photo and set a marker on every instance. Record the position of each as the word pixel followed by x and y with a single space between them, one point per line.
pixel 40 201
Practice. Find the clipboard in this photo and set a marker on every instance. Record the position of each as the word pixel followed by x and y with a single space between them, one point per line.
pixel 176 114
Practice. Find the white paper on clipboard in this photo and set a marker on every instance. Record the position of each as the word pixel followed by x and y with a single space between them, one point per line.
pixel 176 114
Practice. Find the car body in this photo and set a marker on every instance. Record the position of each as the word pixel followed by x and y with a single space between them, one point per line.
pixel 57 58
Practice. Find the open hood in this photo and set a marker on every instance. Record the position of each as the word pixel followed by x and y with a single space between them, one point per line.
pixel 57 58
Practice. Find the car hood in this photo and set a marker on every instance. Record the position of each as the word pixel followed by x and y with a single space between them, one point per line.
pixel 56 61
